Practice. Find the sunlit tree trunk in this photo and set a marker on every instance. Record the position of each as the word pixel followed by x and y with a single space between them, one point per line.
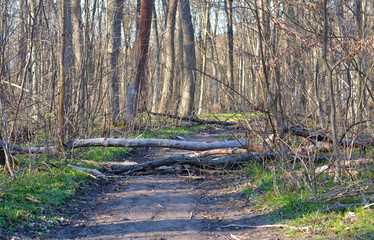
pixel 115 15
pixel 133 90
pixel 188 87
pixel 170 57
pixel 62 84
pixel 156 85
pixel 230 52
pixel 204 48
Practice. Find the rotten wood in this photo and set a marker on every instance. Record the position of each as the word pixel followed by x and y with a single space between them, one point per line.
pixel 226 161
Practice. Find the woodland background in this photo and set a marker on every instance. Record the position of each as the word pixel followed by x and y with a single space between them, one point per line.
pixel 77 69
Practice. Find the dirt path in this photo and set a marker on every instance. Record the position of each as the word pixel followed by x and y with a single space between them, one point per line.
pixel 162 206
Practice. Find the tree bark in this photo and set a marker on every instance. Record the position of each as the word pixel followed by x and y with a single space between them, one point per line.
pixel 168 143
pixel 170 57
pixel 62 84
pixel 133 90
pixel 2 154
pixel 204 56
pixel 329 71
pixel 116 7
pixel 188 86
pixel 156 85
pixel 230 52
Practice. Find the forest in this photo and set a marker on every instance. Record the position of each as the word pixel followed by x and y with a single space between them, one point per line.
pixel 290 83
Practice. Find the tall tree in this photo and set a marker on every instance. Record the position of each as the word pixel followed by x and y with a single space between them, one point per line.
pixel 188 86
pixel 156 85
pixel 204 47
pixel 329 71
pixel 230 50
pixel 62 84
pixel 115 14
pixel 170 56
pixel 133 90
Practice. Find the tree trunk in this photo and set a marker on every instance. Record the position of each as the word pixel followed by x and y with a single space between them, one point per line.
pixel 2 154
pixel 204 56
pixel 156 86
pixel 115 7
pixel 133 90
pixel 170 57
pixel 329 71
pixel 230 52
pixel 188 86
pixel 62 84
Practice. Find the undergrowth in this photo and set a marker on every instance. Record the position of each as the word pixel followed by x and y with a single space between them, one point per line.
pixel 338 218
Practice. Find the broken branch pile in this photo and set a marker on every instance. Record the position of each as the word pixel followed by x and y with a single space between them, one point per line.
pixel 225 161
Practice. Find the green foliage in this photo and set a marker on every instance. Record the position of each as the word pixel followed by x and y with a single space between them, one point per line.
pixel 100 154
pixel 229 117
pixel 169 132
pixel 34 195
pixel 296 206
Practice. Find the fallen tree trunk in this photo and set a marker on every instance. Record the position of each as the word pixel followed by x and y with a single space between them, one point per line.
pixel 132 143
pixel 32 150
pixel 345 142
pixel 224 151
pixel 226 161
pixel 166 143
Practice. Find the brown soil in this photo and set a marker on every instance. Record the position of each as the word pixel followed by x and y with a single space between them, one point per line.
pixel 176 205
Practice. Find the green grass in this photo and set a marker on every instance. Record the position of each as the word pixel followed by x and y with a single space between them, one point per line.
pixel 169 132
pixel 296 207
pixel 35 195
pixel 228 117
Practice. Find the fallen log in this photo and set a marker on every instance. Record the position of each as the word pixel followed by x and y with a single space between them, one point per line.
pixel 225 161
pixel 32 150
pixel 132 143
pixel 224 151
pixel 166 143
pixel 344 142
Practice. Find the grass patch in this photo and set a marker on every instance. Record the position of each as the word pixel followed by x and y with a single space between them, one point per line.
pixel 228 117
pixel 295 206
pixel 169 132
pixel 40 188
pixel 35 195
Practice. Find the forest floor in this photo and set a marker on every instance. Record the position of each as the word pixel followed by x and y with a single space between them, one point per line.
pixel 174 205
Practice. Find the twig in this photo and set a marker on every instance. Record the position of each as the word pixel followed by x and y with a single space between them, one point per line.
pixel 369 205
pixel 268 226
pixel 351 126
